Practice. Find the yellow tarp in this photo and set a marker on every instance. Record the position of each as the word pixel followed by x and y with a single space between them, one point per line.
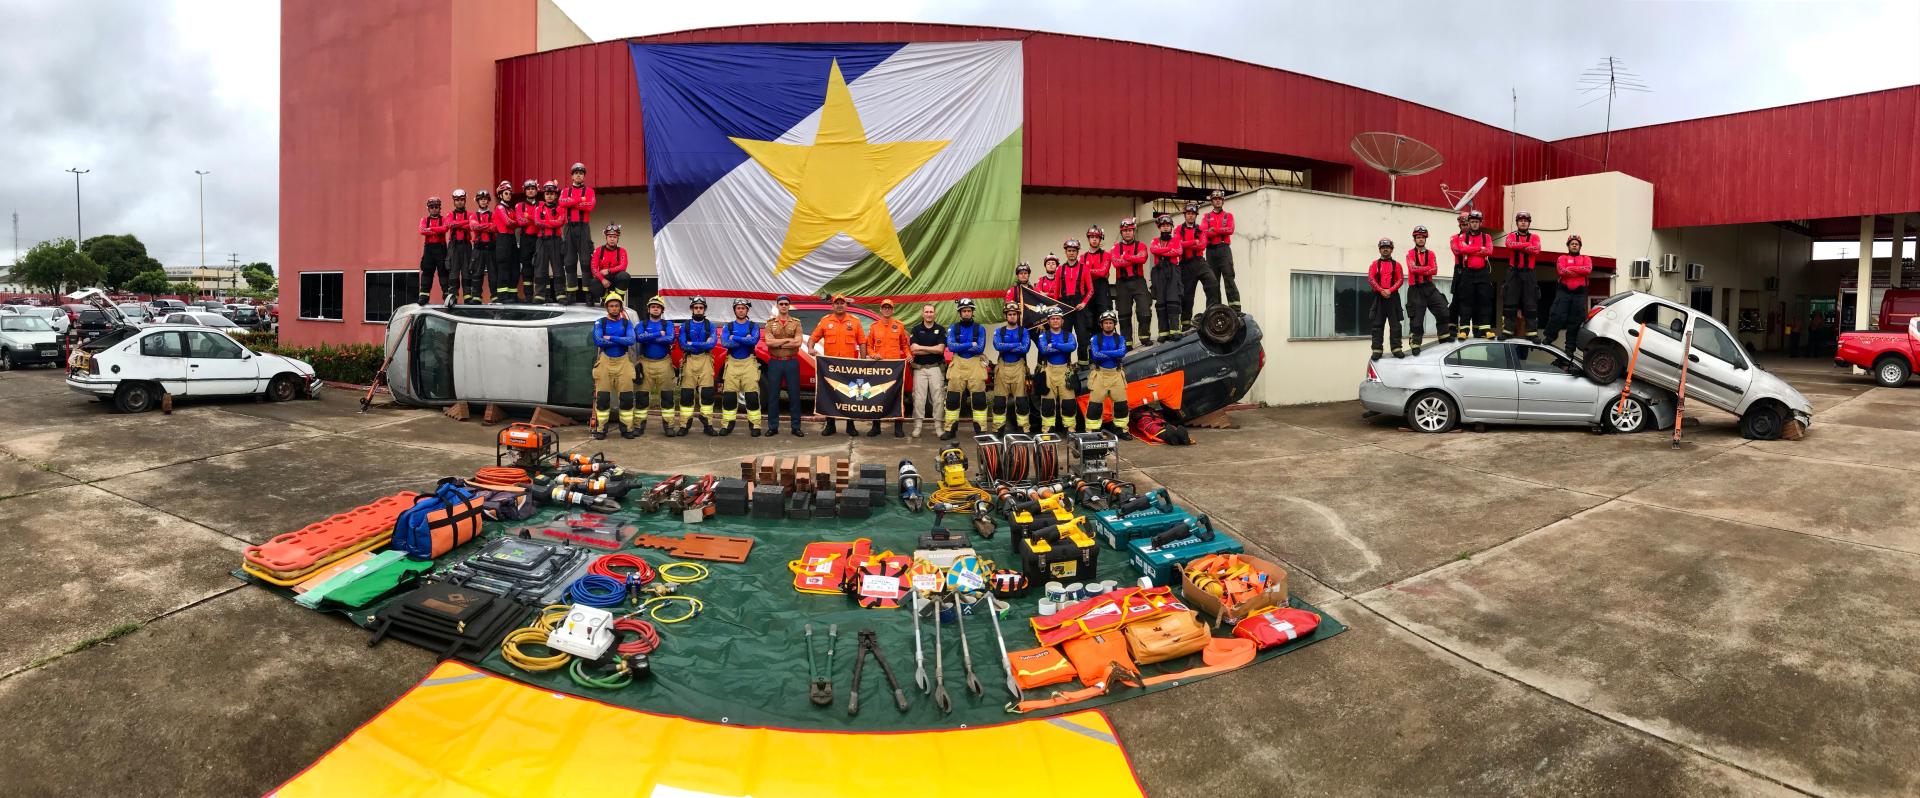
pixel 465 733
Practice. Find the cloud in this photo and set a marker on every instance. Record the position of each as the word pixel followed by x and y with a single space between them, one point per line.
pixel 143 94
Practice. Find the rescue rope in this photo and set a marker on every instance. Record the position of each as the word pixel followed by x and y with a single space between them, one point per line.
pixel 962 496
pixel 502 478
pixel 652 608
pixel 607 562
pixel 535 634
pixel 594 590
pixel 696 572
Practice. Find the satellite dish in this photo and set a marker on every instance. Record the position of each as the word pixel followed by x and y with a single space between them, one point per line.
pixel 1465 200
pixel 1396 155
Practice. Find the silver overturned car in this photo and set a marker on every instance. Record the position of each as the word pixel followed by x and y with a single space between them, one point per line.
pixel 1505 382
pixel 515 355
pixel 1720 372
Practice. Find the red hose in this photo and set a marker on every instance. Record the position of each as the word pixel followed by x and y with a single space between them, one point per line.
pixel 649 637
pixel 607 562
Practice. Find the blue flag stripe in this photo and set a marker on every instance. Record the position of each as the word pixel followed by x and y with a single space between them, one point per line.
pixel 694 96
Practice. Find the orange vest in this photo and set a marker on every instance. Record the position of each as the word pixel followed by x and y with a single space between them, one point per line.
pixel 888 340
pixel 839 335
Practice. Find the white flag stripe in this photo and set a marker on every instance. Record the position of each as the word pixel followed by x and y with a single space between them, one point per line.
pixel 967 93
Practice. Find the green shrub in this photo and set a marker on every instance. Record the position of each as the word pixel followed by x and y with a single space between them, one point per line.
pixel 264 340
pixel 353 363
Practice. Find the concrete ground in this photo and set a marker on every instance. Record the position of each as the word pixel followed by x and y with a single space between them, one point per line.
pixel 1534 611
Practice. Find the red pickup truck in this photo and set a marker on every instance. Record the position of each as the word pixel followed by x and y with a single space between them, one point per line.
pixel 1890 356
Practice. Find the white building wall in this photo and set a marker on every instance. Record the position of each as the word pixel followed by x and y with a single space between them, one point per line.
pixel 1281 231
pixel 1046 220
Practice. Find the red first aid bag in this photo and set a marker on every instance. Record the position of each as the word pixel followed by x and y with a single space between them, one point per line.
pixel 1277 627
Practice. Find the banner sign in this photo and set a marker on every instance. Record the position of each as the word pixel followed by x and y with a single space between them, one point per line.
pixel 868 390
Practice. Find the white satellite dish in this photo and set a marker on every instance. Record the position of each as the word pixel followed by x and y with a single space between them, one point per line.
pixel 1396 155
pixel 1465 200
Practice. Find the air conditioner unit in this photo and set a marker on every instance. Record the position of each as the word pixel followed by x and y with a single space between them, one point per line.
pixel 1772 284
pixel 1696 272
pixel 1669 264
pixel 1641 270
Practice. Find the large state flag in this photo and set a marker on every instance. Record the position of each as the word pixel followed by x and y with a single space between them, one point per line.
pixel 807 169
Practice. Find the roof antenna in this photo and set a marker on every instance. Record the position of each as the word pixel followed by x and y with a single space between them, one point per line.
pixel 1396 155
pixel 1610 76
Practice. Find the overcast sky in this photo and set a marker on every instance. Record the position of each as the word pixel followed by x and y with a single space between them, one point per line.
pixel 144 92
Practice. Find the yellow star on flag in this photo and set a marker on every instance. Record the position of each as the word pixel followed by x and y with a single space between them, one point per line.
pixel 840 181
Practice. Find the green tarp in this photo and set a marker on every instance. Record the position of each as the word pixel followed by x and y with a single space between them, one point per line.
pixel 744 660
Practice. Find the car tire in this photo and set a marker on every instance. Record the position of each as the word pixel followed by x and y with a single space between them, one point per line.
pixel 1765 421
pixel 1636 416
pixel 1891 372
pixel 6 359
pixel 1221 328
pixel 135 397
pixel 1602 362
pixel 1432 411
pixel 283 389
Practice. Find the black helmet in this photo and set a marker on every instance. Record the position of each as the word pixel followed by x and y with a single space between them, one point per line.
pixel 1071 243
pixel 742 301
pixel 1055 311
pixel 482 194
pixel 1386 242
pixel 533 184
pixel 1192 207
pixel 1110 315
pixel 1161 218
pixel 433 202
pixel 697 300
pixel 1523 215
pixel 1217 194
pixel 963 303
pixel 579 167
pixel 612 228
pixel 1023 267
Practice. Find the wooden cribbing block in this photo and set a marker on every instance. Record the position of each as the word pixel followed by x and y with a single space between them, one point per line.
pixel 786 471
pixel 458 411
pixel 492 415
pixel 545 417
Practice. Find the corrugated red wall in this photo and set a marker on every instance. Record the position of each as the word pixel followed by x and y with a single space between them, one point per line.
pixel 1847 156
pixel 1222 103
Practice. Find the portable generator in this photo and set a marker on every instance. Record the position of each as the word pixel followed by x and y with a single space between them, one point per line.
pixel 532 446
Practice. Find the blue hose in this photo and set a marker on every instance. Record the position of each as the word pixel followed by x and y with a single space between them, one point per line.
pixel 595 590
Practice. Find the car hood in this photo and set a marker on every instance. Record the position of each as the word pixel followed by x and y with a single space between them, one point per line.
pixel 300 367
pixel 1766 384
pixel 30 337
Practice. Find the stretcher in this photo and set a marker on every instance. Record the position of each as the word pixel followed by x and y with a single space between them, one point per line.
pixel 289 558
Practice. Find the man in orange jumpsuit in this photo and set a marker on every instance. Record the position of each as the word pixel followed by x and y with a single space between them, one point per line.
pixel 838 335
pixel 887 340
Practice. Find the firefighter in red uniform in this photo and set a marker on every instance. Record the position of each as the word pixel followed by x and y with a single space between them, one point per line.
pixel 1520 294
pixel 527 235
pixel 483 234
pixel 1131 299
pixel 1194 271
pixel 1099 262
pixel 1422 296
pixel 459 248
pixel 1473 282
pixel 1218 224
pixel 1022 276
pixel 433 253
pixel 506 244
pixel 1076 290
pixel 1570 304
pixel 610 262
pixel 1166 279
pixel 1049 282
pixel 576 245
pixel 1454 307
pixel 1385 278
pixel 548 217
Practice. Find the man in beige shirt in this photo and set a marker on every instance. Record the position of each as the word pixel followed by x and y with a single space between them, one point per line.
pixel 784 335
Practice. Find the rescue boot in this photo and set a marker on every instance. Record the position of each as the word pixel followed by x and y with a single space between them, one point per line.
pixel 1416 346
pixel 1235 304
pixel 706 428
pixel 899 429
pixel 1533 337
pixel 953 431
pixel 630 433
pixel 832 428
pixel 1120 426
pixel 599 433
pixel 1397 352
pixel 1376 354
pixel 727 428
pixel 753 431
pixel 639 429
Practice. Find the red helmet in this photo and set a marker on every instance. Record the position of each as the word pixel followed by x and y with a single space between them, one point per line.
pixel 1127 223
pixel 1071 243
pixel 1419 230
pixel 1475 215
pixel 1095 232
pixel 1572 240
pixel 1386 243
pixel 1050 258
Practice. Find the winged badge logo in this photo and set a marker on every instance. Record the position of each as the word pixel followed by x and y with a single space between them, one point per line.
pixel 859 388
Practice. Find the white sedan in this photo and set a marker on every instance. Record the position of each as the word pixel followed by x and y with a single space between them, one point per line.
pixel 203 319
pixel 134 367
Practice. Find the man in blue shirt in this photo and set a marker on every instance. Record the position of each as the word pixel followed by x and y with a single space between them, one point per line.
pixel 1012 342
pixel 612 371
pixel 1057 345
pixel 697 339
pixel 740 381
pixel 655 341
pixel 967 374
pixel 1107 381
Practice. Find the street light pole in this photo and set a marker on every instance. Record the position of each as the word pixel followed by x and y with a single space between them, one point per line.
pixel 77 235
pixel 203 217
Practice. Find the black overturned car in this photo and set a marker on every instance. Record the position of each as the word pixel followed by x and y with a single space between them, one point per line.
pixel 1198 373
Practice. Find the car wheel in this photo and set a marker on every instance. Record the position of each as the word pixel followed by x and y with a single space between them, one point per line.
pixel 1891 372
pixel 1221 328
pixel 283 389
pixel 1432 411
pixel 1763 422
pixel 6 359
pixel 1629 417
pixel 1602 362
pixel 134 397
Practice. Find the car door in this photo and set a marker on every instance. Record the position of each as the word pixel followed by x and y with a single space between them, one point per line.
pixel 1548 392
pixel 1659 358
pixel 217 366
pixel 160 356
pixel 1718 371
pixel 1483 377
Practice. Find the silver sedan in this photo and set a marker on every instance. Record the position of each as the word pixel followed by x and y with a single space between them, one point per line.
pixel 1505 382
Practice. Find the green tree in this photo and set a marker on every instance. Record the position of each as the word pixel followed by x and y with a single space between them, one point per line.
pixel 123 257
pixel 148 282
pixel 58 266
pixel 183 289
pixel 259 276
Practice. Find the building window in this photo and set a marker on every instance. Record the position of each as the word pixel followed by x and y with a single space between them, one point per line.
pixel 320 295
pixel 1335 305
pixel 1701 299
pixel 389 290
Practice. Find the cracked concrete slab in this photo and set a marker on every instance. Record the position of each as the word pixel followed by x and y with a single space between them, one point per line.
pixel 1377 711
pixel 1363 517
pixel 1861 503
pixel 263 492
pixel 1782 653
pixel 1863 412
pixel 1906 395
pixel 1852 444
pixel 1574 459
pixel 333 410
pixel 18 476
pixel 79 561
pixel 112 444
pixel 231 697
